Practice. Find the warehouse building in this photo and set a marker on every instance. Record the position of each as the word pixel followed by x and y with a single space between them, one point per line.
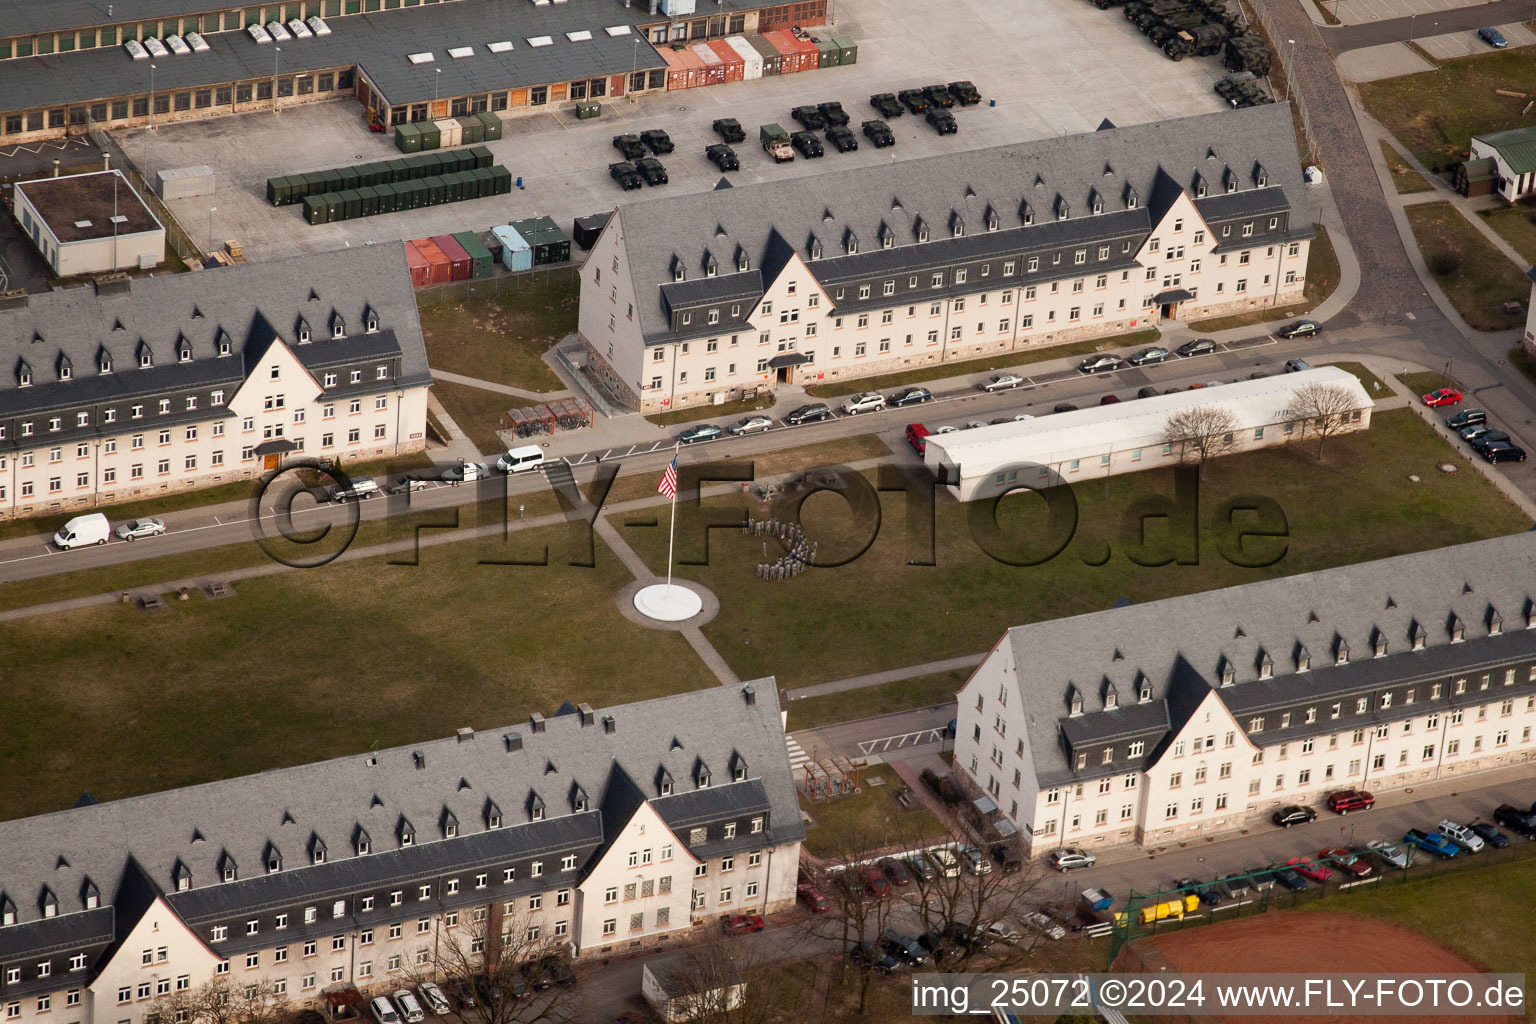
pixel 705 298
pixel 1188 718
pixel 89 224
pixel 1123 437
pixel 132 388
pixel 67 64
pixel 593 832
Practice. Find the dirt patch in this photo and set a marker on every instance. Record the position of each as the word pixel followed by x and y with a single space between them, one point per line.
pixel 1309 943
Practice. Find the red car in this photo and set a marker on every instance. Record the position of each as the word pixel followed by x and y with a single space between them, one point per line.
pixel 1442 396
pixel 1346 860
pixel 1309 868
pixel 744 924
pixel 811 896
pixel 875 883
pixel 1346 800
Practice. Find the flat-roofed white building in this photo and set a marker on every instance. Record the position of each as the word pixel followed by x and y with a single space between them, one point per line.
pixel 982 462
pixel 90 223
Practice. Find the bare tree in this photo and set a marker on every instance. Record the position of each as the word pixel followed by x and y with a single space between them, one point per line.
pixel 1201 433
pixel 222 1001
pixel 727 983
pixel 981 912
pixel 1324 409
pixel 861 901
pixel 505 969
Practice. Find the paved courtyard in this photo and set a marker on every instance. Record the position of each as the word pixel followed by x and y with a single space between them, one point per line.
pixel 1362 12
pixel 1062 70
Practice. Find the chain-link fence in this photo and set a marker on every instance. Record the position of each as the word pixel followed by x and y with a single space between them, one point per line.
pixel 499 284
pixel 177 238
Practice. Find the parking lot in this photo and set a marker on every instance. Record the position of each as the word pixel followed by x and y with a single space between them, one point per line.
pixel 1062 70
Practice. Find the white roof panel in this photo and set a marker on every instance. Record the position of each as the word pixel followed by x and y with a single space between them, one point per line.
pixel 617 30
pixel 541 41
pixel 500 47
pixel 457 52
pixel 421 58
pixel 579 37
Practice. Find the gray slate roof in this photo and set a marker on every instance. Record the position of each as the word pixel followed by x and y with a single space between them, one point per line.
pixel 860 200
pixel 1272 616
pixel 199 825
pixel 246 302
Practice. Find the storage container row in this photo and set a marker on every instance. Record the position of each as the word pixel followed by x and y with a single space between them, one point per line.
pixel 467 130
pixel 294 188
pixel 368 200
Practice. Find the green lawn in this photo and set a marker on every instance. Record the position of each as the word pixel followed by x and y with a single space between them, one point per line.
pixel 869 701
pixel 1475 276
pixel 322 662
pixel 1404 178
pixel 1001 361
pixel 1517 226
pixel 868 820
pixel 890 614
pixel 740 407
pixel 477 412
pixel 1373 384
pixel 1322 279
pixel 503 337
pixel 1436 113
pixel 839 451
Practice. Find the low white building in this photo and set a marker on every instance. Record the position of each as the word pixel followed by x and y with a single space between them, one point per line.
pixel 678 993
pixel 1513 154
pixel 1123 437
pixel 90 223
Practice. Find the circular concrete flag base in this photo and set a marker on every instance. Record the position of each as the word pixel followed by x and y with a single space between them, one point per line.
pixel 668 603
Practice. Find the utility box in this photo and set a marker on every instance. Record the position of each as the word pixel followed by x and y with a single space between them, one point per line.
pixel 184 182
pixel 587 111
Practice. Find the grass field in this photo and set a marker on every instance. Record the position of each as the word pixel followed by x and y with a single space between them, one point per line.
pixel 1404 178
pixel 1517 226
pixel 1425 382
pixel 868 820
pixel 890 613
pixel 939 371
pixel 1435 113
pixel 1322 279
pixel 1475 276
pixel 1372 383
pixel 477 412
pixel 721 412
pixel 321 662
pixel 838 451
pixel 869 701
pixel 503 337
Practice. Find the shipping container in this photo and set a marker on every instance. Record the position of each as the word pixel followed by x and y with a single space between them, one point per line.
pixel 453 161
pixel 849 50
pixel 387 196
pixel 503 180
pixel 714 67
pixel 828 53
pixel 280 190
pixel 457 257
pixel 399 170
pixel 735 66
pixel 485 181
pixel 452 134
pixel 482 154
pixel 677 71
pixel 419 264
pixel 471 131
pixel 335 209
pixel 437 190
pixel 479 255
pixel 698 74
pixel 369 194
pixel 752 61
pixel 585 230
pixel 492 123
pixel 810 53
pixel 314 183
pixel 773 59
pixel 315 210
pixel 492 244
pixel 789 48
pixel 439 270
pixel 408 138
pixel 418 192
pixel 431 135
pixel 516 254
pixel 349 178
pixel 352 203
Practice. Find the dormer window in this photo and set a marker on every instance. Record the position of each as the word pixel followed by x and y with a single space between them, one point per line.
pixel 1260 175
pixel 1111 700
pixel 664 782
pixel 535 807
pixel 24 376
pixel 145 359
pixel 1075 703
pixel 304 334
pixel 1303 660
pixel 1097 204
pixel 1063 208
pixel 104 365
pixel 1144 693
pixel 184 353
pixel 370 320
pixel 65 371
pixel 316 850
pixel 743 262
pixel 956 226
pixel 1266 666
pixel 229 871
pixel 362 842
pixel 274 859
pixel 449 824
pixel 1231 182
pixel 815 249
pixel 738 768
pixel 48 902
pixel 1340 651
pixel 492 815
pixel 90 895
pixel 407 832
pixel 851 243
pixel 224 344
pixel 1379 645
pixel 1418 636
pixel 1227 672
pixel 1457 630
pixel 181 877
pixel 993 221
pixel 1495 623
pixel 920 229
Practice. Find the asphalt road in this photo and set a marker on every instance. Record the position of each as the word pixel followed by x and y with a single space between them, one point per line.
pixel 1339 38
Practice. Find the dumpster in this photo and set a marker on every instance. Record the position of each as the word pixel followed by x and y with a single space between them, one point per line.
pixel 419 264
pixel 458 259
pixel 408 138
pixel 849 50
pixel 1097 899
pixel 479 255
pixel 516 254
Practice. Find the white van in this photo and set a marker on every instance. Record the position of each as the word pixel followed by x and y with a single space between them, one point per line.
pixel 82 530
pixel 383 1010
pixel 516 460
pixel 410 1009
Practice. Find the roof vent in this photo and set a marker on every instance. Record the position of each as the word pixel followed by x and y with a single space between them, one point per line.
pixel 1312 617
pixel 464 784
pixel 609 725
pixel 536 721
pixel 466 734
pixel 514 741
pixel 377 801
pixel 749 694
pixel 585 710
pixel 1466 588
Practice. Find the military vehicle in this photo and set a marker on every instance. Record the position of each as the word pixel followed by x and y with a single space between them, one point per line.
pixel 776 143
pixel 879 133
pixel 832 114
pixel 914 100
pixel 886 105
pixel 842 139
pixel 965 92
pixel 723 157
pixel 809 117
pixel 943 122
pixel 729 129
pixel 808 144
pixel 625 174
pixel 938 96
pixel 651 170
pixel 659 141
pixel 630 146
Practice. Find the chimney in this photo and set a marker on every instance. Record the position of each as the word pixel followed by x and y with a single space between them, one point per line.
pixel 536 722
pixel 465 735
pixel 586 713
pixel 420 759
pixel 514 742
pixel 609 725
pixel 749 694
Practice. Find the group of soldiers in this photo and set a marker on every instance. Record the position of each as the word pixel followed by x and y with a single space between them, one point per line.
pixel 801 554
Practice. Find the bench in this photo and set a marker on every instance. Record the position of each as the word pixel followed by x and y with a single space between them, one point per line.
pixel 218 589
pixel 152 603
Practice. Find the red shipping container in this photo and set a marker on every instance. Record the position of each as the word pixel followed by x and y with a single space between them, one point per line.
pixel 697 74
pixel 439 270
pixel 714 67
pixel 458 259
pixel 788 45
pixel 677 70
pixel 735 66
pixel 810 56
pixel 419 264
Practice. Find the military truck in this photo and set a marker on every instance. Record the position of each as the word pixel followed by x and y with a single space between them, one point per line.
pixel 965 93
pixel 886 105
pixel 723 157
pixel 659 141
pixel 809 117
pixel 729 129
pixel 832 114
pixel 808 144
pixel 879 133
pixel 776 143
pixel 630 146
pixel 1199 41
pixel 625 174
pixel 1247 53
pixel 842 139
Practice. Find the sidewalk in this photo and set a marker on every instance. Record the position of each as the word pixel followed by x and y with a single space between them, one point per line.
pixel 889 676
pixel 500 389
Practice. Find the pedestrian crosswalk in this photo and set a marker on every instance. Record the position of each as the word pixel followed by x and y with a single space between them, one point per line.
pixel 797 756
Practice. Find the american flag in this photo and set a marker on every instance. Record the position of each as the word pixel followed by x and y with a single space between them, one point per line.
pixel 668 485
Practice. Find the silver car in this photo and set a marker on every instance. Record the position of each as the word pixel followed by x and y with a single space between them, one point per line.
pixel 1001 382
pixel 869 401
pixel 1390 854
pixel 751 425
pixel 135 528
pixel 466 471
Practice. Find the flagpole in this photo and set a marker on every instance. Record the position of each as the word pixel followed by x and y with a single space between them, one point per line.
pixel 672 529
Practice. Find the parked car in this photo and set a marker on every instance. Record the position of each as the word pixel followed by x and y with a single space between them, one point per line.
pixel 409 482
pixel 1473 431
pixel 812 899
pixel 1309 868
pixel 1483 442
pixel 410 1010
pixel 975 862
pixel 145 527
pixel 877 959
pixel 968 936
pixel 1198 347
pixel 1008 857
pixel 744 924
pixel 1110 400
pixel 874 882
pixel 1064 407
pixel 879 133
pixel 1493 37
pixel 702 432
pixel 1210 895
pixel 1442 396
pixel 1006 933
pixel 808 414
pixel 383 1010
pixel 1461 835
pixel 868 401
pixel 465 472
pixel 1293 814
pixel 1069 857
pixel 1101 364
pixel 944 862
pixel 896 870
pixel 1300 329
pixel 1148 392
pixel 1431 842
pixel 1516 820
pixel 1490 835
pixel 886 105
pixel 903 948
pixel 1466 418
pixel 909 396
pixel 1503 451
pixel 548 970
pixel 1147 356
pixel 1390 855
pixel 434 998
pixel 939 946
pixel 729 129
pixel 1045 926
pixel 1288 878
pixel 922 868
pixel 1346 800
pixel 520 460
pixel 355 489
pixel 463 992
pixel 1346 861
pixel 1001 382
pixel 752 425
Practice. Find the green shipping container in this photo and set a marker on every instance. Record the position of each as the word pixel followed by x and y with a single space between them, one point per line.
pixel 473 131
pixel 350 178
pixel 849 50
pixel 399 196
pixel 335 209
pixel 437 190
pixel 485 182
pixel 367 174
pixel 416 193
pixel 479 256
pixel 314 184
pixel 279 190
pixel 386 196
pixel 431 135
pixel 379 172
pixel 407 138
pixel 399 170
pixel 503 180
pixel 830 53
pixel 482 156
pixel 370 197
pixel 352 204
pixel 315 211
pixel 421 164
pixel 492 125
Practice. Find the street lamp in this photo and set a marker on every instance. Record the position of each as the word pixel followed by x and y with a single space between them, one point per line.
pixel 436 79
pixel 1410 27
pixel 1290 69
pixel 211 211
pixel 275 51
pixel 151 96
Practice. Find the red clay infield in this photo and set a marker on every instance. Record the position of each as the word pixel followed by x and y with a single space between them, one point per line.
pixel 1315 943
